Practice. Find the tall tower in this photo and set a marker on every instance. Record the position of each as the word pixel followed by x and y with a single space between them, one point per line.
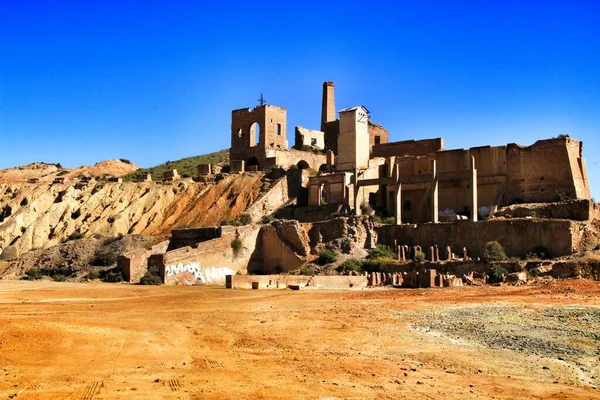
pixel 328 105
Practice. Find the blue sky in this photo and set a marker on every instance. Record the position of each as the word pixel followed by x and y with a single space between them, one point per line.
pixel 84 81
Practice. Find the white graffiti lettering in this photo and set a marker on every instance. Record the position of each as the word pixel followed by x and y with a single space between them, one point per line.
pixel 204 275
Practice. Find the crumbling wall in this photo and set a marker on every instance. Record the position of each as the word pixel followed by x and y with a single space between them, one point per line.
pixel 193 236
pixel 277 197
pixel 353 233
pixel 289 157
pixel 210 261
pixel 546 171
pixel 408 148
pixel 517 236
pixel 578 210
pixel 377 135
pixel 281 246
pixel 133 265
pixel 308 137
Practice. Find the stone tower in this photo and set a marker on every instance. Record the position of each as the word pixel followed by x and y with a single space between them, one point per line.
pixel 328 105
pixel 353 140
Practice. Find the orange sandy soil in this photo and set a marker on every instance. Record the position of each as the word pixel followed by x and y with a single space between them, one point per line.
pixel 116 341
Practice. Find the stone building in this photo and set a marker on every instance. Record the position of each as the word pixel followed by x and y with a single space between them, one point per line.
pixel 411 180
pixel 258 138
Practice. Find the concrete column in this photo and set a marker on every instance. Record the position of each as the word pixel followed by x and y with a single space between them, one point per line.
pixel 357 210
pixel 474 206
pixel 330 158
pixel 434 192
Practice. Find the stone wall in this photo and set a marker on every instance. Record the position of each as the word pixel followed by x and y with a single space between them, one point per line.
pixel 408 148
pixel 133 265
pixel 287 158
pixel 578 210
pixel 193 236
pixel 281 246
pixel 306 137
pixel 377 135
pixel 274 199
pixel 283 281
pixel 210 261
pixel 517 236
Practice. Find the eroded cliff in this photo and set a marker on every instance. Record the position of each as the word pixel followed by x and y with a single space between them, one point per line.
pixel 37 216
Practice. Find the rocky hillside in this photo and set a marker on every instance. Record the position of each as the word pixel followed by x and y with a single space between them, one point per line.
pixel 38 216
pixel 45 172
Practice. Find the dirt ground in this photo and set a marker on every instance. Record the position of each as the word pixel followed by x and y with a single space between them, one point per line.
pixel 116 341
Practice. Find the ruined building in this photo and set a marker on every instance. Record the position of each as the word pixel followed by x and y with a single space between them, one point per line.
pixel 413 180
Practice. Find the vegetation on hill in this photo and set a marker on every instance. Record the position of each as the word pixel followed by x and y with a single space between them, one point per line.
pixel 185 167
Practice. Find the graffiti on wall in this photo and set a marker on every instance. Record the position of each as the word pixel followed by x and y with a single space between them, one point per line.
pixel 204 275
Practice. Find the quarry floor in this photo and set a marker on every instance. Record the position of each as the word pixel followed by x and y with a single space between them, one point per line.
pixel 117 341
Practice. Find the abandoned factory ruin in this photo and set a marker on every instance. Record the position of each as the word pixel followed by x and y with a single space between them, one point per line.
pixel 345 188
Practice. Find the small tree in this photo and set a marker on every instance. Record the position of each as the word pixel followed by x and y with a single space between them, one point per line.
pixel 105 259
pixel 494 251
pixel 351 265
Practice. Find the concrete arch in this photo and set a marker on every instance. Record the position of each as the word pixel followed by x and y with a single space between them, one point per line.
pixel 251 162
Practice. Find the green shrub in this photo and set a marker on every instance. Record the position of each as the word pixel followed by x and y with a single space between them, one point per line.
pixel 237 246
pixel 497 274
pixel 267 219
pixel 494 251
pixel 150 279
pixel 326 257
pixel 75 236
pixel 382 251
pixel 59 277
pixel 93 274
pixel 419 256
pixel 351 265
pixel 388 220
pixel 245 219
pixel 306 270
pixel 366 209
pixel 105 259
pixel 371 265
pixel 126 161
pixel 33 274
pixel 535 271
pixel 113 277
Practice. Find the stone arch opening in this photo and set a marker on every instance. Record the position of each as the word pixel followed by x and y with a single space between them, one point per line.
pixel 254 134
pixel 323 168
pixel 407 205
pixel 302 164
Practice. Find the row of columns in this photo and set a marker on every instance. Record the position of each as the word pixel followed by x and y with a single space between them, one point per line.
pixel 434 192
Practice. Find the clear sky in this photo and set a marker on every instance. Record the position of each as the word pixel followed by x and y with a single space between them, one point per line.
pixel 151 81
